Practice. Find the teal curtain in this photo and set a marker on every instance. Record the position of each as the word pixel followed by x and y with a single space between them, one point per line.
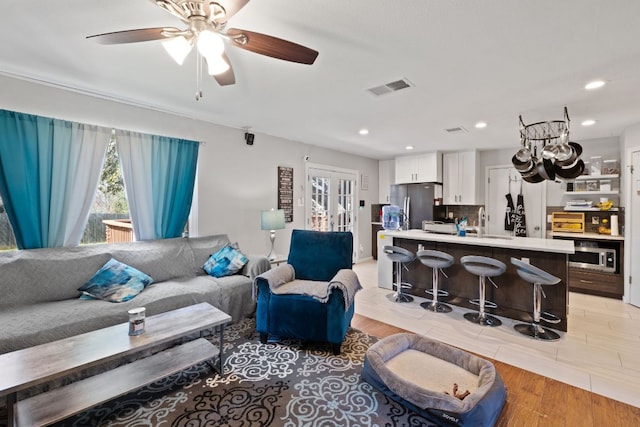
pixel 49 170
pixel 159 175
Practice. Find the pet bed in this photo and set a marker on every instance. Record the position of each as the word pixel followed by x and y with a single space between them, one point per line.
pixel 444 384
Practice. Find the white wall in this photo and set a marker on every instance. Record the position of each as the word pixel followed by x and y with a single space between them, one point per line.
pixel 235 181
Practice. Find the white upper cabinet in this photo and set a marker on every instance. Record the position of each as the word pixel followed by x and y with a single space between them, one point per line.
pixel 460 182
pixel 425 167
pixel 386 175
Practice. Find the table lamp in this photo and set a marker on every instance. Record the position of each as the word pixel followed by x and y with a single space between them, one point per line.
pixel 272 220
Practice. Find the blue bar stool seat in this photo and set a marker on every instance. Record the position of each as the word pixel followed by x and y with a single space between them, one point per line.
pixel 437 260
pixel 538 278
pixel 483 267
pixel 400 257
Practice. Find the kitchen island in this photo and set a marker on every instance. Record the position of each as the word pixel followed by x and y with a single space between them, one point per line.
pixel 513 296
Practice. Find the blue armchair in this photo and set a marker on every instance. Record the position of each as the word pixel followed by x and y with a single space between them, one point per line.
pixel 311 297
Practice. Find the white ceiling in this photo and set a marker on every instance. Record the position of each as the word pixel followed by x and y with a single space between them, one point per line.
pixel 470 61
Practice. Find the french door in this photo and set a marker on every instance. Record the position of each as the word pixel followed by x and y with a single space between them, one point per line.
pixel 330 200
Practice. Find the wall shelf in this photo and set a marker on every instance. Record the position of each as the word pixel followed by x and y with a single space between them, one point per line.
pixel 587 193
pixel 586 177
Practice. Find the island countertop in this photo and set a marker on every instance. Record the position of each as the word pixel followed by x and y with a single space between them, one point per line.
pixel 507 242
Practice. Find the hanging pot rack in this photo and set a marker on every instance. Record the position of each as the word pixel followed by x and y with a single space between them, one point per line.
pixel 545 152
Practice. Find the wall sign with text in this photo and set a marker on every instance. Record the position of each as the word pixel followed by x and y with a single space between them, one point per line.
pixel 285 192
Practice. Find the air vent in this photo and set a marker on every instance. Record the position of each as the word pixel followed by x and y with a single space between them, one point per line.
pixel 390 87
pixel 458 129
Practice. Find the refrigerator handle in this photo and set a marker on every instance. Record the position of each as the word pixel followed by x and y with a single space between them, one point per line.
pixel 407 206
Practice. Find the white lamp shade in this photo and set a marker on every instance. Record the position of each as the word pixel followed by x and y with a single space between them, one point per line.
pixel 216 65
pixel 178 48
pixel 210 44
pixel 272 219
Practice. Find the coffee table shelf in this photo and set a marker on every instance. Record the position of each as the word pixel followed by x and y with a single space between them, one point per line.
pixel 22 369
pixel 58 404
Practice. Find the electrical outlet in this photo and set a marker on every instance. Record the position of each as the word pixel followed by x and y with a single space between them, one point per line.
pixel 420 247
pixel 595 220
pixel 525 260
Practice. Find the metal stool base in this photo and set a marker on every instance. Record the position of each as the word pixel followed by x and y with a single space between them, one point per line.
pixel 437 307
pixel 486 320
pixel 536 332
pixel 400 297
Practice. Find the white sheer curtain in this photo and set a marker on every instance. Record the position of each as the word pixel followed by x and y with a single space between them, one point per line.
pixel 135 152
pixel 74 188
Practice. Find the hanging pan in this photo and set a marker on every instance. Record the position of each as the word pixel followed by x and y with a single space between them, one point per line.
pixel 572 171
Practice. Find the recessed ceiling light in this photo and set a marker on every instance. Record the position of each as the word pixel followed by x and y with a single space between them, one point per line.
pixel 363 131
pixel 589 122
pixel 481 125
pixel 409 147
pixel 594 84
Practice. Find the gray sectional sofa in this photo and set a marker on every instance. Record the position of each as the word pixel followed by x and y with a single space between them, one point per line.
pixel 39 297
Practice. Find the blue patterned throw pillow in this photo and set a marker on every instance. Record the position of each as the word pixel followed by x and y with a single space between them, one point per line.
pixel 115 282
pixel 227 261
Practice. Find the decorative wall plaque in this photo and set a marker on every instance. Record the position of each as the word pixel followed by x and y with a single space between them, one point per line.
pixel 285 192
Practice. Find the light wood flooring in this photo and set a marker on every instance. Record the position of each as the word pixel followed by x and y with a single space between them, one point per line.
pixel 534 400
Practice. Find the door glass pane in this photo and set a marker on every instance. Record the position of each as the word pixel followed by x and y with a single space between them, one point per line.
pixel 320 187
pixel 345 205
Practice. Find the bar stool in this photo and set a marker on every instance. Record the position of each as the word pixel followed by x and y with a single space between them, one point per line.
pixel 437 260
pixel 483 267
pixel 400 256
pixel 538 278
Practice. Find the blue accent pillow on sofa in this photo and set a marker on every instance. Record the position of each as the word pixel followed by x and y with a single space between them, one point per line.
pixel 227 261
pixel 115 282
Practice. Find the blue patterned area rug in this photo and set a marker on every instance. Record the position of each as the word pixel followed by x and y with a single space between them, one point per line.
pixel 279 384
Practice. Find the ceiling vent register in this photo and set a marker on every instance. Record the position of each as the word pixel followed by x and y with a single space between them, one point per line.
pixel 390 87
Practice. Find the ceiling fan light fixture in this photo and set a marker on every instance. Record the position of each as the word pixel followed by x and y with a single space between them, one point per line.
pixel 216 65
pixel 210 44
pixel 178 48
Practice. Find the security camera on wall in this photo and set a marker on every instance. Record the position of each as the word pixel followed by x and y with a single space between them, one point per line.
pixel 248 137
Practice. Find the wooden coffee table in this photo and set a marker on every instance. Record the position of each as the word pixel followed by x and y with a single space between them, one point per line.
pixel 29 367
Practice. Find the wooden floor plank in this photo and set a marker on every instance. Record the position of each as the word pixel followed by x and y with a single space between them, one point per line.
pixel 537 401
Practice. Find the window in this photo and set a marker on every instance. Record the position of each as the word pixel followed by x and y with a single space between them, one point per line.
pixel 7 240
pixel 110 204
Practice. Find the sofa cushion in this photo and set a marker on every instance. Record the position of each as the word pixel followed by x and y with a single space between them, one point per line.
pixel 203 247
pixel 152 256
pixel 40 275
pixel 116 282
pixel 225 262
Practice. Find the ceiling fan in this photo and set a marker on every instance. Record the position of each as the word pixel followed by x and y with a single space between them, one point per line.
pixel 207 21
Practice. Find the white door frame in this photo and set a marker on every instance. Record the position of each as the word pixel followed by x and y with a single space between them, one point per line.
pixel 627 182
pixel 356 197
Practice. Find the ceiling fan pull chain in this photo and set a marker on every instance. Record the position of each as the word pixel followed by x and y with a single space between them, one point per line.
pixel 198 76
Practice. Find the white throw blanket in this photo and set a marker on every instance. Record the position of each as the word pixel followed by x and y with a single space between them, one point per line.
pixel 282 281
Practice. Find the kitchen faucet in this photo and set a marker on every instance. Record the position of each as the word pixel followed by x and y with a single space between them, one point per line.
pixel 481 219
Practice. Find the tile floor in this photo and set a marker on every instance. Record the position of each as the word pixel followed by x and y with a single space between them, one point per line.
pixel 600 352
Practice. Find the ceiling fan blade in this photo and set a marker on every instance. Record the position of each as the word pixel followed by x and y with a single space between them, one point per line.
pixel 272 46
pixel 228 77
pixel 134 36
pixel 231 7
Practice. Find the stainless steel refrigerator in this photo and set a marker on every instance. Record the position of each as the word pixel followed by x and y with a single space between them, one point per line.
pixel 416 202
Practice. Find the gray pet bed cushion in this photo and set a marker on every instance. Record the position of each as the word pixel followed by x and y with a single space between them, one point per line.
pixel 417 370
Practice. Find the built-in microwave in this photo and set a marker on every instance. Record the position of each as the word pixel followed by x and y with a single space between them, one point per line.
pixel 594 258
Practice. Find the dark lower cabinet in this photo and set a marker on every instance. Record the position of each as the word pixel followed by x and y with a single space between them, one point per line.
pixel 374 239
pixel 609 285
